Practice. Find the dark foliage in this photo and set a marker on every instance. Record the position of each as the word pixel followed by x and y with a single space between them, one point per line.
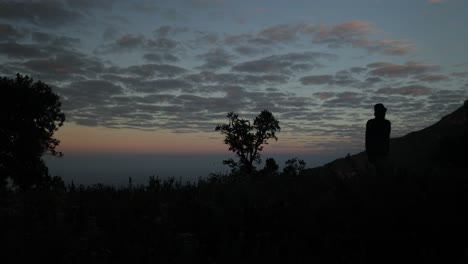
pixel 270 169
pixel 315 217
pixel 293 167
pixel 247 140
pixel 29 115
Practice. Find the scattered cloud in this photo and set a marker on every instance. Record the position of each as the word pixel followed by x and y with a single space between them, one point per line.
pixel 212 78
pixel 8 32
pixel 160 57
pixel 345 99
pixel 351 32
pixel 316 79
pixel 153 70
pixel 386 69
pixel 324 95
pixel 54 40
pixel 435 1
pixel 286 63
pixel 248 51
pixel 412 90
pixel 460 74
pixel 397 49
pixel 433 78
pixel 130 42
pixel 215 59
pixel 21 51
pixel 281 33
pixel 41 13
pixel 166 31
pixel 184 79
pixel 65 65
pixel 356 34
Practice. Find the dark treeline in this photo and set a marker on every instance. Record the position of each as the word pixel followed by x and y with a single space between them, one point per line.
pixel 312 216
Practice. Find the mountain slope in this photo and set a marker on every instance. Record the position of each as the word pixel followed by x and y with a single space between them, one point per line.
pixel 439 146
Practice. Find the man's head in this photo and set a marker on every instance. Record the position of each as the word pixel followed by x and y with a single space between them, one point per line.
pixel 379 111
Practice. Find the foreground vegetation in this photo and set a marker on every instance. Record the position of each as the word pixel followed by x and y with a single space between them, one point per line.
pixel 314 216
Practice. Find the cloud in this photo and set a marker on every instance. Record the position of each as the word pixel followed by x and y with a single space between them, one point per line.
pixel 446 96
pixel 161 43
pixel 412 90
pixel 146 7
pixel 433 78
pixel 8 32
pixel 358 70
pixel 208 2
pixel 160 57
pixel 130 42
pixel 324 95
pixel 21 51
pixel 90 93
pixel 204 39
pixel 211 78
pixel 237 39
pixel 166 31
pixel 151 70
pixel 42 13
pixel 460 74
pixel 215 59
pixel 356 34
pixel 345 99
pixel 64 65
pixel 167 105
pixel 86 5
pixel 136 83
pixel 351 32
pixel 280 33
pixel 316 79
pixel 286 63
pixel 395 49
pixel 92 89
pixel 162 85
pixel 110 33
pixel 54 40
pixel 343 78
pixel 248 50
pixel 267 65
pixel 386 69
pixel 372 80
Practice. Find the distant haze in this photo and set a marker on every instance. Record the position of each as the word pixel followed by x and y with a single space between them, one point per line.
pixel 114 169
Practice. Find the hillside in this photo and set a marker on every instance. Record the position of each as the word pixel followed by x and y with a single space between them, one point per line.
pixel 440 146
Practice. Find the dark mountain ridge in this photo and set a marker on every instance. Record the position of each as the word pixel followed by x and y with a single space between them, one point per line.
pixel 441 146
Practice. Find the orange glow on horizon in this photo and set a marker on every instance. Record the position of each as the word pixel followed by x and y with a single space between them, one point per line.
pixel 75 138
pixel 82 139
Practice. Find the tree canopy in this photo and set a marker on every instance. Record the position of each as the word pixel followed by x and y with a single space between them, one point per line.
pixel 246 139
pixel 29 116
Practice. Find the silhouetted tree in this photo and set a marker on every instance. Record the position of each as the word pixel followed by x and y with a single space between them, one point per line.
pixel 246 139
pixel 293 167
pixel 29 115
pixel 271 167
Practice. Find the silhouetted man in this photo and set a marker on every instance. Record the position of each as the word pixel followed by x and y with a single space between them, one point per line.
pixel 378 137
